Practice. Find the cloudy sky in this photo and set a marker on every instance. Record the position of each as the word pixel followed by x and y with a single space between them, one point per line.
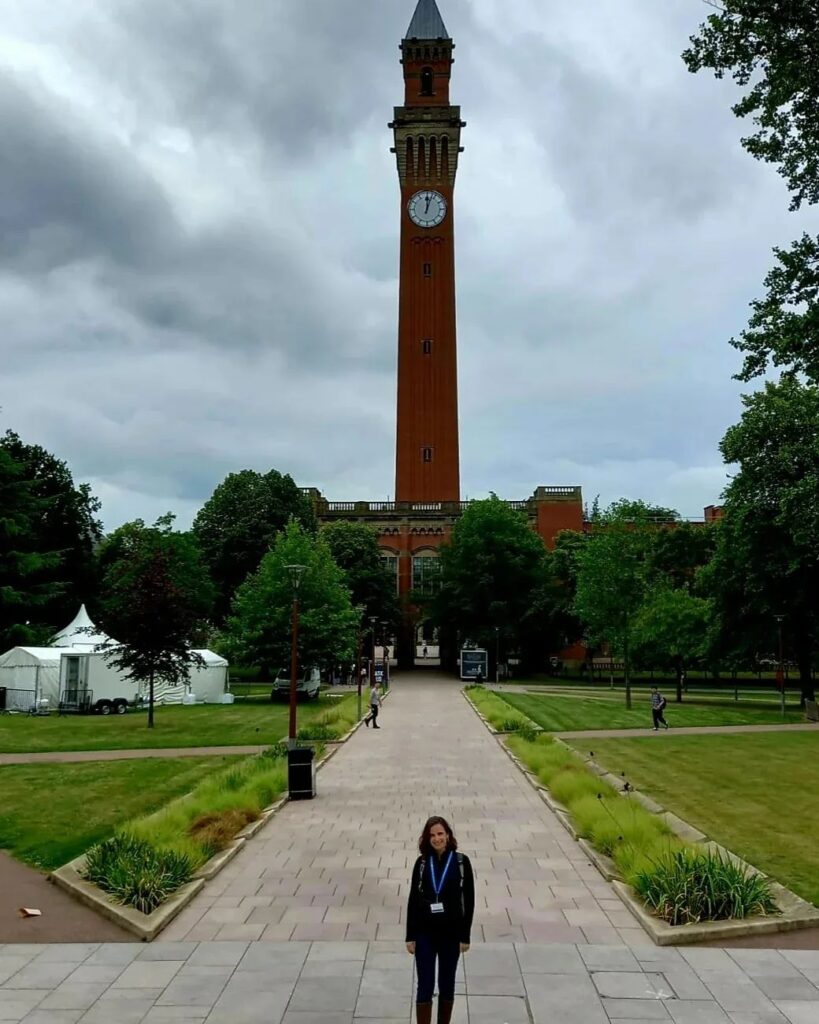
pixel 199 245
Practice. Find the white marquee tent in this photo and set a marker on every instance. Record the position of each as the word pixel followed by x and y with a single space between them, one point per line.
pixel 32 674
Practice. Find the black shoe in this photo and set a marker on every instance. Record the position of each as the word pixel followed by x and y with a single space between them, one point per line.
pixel 367 722
pixel 376 727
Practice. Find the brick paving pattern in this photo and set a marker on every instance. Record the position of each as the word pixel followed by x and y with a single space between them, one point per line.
pixel 337 868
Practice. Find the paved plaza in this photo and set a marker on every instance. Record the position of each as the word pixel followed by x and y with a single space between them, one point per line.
pixel 306 925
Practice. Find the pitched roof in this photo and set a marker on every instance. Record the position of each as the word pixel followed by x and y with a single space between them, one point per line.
pixel 427 22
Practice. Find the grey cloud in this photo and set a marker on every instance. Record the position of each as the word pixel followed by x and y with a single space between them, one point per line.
pixel 68 195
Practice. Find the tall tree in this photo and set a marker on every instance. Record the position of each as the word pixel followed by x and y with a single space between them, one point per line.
pixel 677 555
pixel 354 546
pixel 494 575
pixel 239 523
pixel 155 594
pixel 769 539
pixel 67 523
pixel 672 630
pixel 612 578
pixel 23 564
pixel 259 629
pixel 769 47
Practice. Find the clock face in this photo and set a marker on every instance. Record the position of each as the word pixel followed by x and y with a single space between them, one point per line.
pixel 427 209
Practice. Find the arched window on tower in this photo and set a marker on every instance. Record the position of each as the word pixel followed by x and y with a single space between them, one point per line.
pixel 445 157
pixel 410 158
pixel 427 82
pixel 433 157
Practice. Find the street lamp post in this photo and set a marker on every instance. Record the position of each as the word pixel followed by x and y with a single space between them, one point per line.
pixel 373 621
pixel 385 661
pixel 781 670
pixel 296 573
pixel 497 655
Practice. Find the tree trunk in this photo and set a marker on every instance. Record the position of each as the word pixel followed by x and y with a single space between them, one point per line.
pixel 627 669
pixel 804 659
pixel 678 668
pixel 151 700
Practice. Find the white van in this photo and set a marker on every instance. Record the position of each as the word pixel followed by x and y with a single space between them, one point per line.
pixel 307 685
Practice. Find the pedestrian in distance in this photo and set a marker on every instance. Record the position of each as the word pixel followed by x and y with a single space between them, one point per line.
pixel 440 909
pixel 658 705
pixel 375 704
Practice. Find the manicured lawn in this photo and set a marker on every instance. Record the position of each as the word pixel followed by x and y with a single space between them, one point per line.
pixel 563 714
pixel 756 794
pixel 176 726
pixel 51 813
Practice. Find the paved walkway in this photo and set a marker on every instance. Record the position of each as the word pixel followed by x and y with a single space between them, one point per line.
pixel 552 944
pixel 337 868
pixel 71 756
pixel 685 730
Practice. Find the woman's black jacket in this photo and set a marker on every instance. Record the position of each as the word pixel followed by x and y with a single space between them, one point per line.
pixel 457 896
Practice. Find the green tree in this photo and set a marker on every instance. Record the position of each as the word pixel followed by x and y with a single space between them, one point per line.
pixel 770 48
pixel 354 546
pixel 239 523
pixel 612 578
pixel 672 630
pixel 155 593
pixel 259 629
pixel 67 523
pixel 768 545
pixel 563 567
pixel 677 555
pixel 494 575
pixel 23 563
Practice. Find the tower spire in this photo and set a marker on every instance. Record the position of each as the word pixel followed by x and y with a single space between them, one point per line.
pixel 427 22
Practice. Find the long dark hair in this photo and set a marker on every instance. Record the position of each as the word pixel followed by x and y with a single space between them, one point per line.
pixel 425 846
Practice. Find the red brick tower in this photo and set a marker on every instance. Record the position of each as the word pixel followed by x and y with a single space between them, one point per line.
pixel 427 143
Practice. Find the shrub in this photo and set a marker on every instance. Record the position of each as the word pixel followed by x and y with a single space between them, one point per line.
pixel 135 872
pixel 213 832
pixel 690 885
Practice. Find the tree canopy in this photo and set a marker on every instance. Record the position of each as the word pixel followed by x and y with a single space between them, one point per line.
pixel 24 566
pixel 258 630
pixel 494 574
pixel 239 523
pixel 66 523
pixel 770 49
pixel 155 594
pixel 354 546
pixel 768 550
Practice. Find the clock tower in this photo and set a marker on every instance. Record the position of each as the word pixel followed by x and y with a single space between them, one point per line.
pixel 427 144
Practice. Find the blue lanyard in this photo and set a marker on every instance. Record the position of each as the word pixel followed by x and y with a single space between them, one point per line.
pixel 435 884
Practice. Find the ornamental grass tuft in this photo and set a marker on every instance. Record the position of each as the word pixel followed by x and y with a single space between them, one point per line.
pixel 135 872
pixel 689 886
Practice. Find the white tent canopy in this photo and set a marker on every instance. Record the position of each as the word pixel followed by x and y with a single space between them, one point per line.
pixel 31 674
pixel 75 635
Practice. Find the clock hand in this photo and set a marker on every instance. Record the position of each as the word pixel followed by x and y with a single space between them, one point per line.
pixel 429 200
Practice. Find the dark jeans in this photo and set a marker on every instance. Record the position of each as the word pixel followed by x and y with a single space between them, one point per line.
pixel 447 950
pixel 657 715
pixel 373 716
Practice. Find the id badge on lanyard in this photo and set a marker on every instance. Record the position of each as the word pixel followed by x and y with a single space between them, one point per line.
pixel 437 907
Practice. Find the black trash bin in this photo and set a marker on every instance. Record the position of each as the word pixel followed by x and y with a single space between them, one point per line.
pixel 2 698
pixel 301 773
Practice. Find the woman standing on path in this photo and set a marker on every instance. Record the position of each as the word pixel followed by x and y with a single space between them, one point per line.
pixel 439 917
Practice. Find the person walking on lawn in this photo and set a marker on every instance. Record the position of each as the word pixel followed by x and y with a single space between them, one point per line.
pixel 658 703
pixel 375 704
pixel 440 909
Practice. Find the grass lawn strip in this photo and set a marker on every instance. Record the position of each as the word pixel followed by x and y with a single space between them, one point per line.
pixel 568 714
pixel 757 795
pixel 639 844
pixel 51 813
pixel 176 726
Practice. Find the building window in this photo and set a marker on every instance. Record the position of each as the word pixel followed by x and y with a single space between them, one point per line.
pixel 426 346
pixel 426 575
pixel 427 270
pixel 426 454
pixel 427 82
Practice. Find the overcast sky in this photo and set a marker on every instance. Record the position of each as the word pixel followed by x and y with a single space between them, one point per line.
pixel 199 245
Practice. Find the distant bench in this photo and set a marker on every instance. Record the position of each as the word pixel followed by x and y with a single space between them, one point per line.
pixel 811 711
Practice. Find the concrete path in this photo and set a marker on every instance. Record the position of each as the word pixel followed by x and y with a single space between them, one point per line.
pixel 337 867
pixel 72 756
pixel 684 730
pixel 348 982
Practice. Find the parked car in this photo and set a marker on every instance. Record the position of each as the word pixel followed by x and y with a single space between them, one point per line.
pixel 307 685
